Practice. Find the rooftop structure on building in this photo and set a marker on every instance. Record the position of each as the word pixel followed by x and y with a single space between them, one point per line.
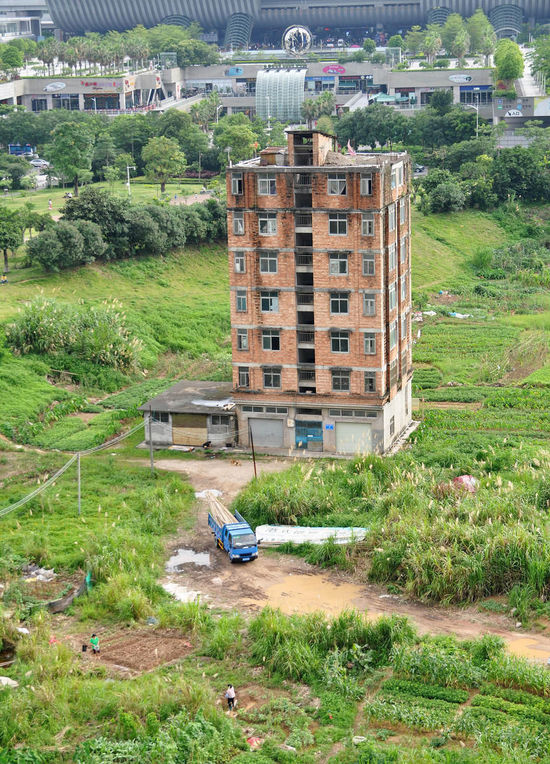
pixel 319 248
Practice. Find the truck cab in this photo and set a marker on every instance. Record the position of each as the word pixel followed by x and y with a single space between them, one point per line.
pixel 239 542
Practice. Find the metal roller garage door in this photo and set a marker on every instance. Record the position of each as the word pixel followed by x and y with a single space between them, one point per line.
pixel 267 432
pixel 353 437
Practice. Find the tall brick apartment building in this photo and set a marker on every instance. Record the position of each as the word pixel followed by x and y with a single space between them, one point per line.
pixel 319 250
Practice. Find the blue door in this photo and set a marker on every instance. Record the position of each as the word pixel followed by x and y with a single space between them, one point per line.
pixel 309 435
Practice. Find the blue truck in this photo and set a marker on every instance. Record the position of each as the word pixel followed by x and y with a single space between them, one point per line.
pixel 232 533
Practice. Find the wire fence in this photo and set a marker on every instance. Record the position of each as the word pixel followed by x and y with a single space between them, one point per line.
pixel 66 466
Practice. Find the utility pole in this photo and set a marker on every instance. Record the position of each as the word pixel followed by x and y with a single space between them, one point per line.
pixel 78 481
pixel 252 444
pixel 151 442
pixel 128 168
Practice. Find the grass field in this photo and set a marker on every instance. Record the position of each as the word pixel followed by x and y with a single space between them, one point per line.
pixel 140 192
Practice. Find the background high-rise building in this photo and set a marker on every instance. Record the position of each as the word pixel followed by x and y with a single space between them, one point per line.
pixel 319 250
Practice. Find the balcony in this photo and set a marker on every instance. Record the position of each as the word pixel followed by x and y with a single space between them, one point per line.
pixel 306 381
pixel 305 317
pixel 303 222
pixel 306 355
pixel 302 182
pixel 303 200
pixel 304 240
pixel 305 299
pixel 304 261
pixel 306 339
pixel 304 277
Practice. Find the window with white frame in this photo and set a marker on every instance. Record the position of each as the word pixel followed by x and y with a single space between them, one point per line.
pixel 339 341
pixel 391 217
pixel 339 302
pixel 403 287
pixel 238 223
pixel 393 372
pixel 336 184
pixel 160 417
pixel 397 175
pixel 239 262
pixel 403 210
pixel 241 300
pixel 404 333
pixel 403 249
pixel 337 223
pixel 369 267
pixel 268 262
pixel 341 380
pixel 271 339
pixel 370 381
pixel 392 257
pixel 370 343
pixel 242 339
pixel 366 185
pixel 367 224
pixel 272 376
pixel 269 302
pixel 392 296
pixel 244 376
pixel 236 183
pixel 338 264
pixel 219 420
pixel 267 184
pixel 393 334
pixel 267 223
pixel 392 426
pixel 369 304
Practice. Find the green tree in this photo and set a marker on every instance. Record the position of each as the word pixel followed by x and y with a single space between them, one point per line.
pixel 104 154
pixel 309 111
pixel 414 40
pixel 235 132
pixel 163 160
pixel 97 205
pixel 453 25
pixel 540 55
pixel 517 171
pixel 369 46
pixel 325 104
pixel 488 45
pixel 192 52
pixel 508 60
pixel 71 151
pixel 460 44
pixel 442 100
pixel 11 232
pixel 432 41
pixel 396 41
pixel 12 58
pixel 477 26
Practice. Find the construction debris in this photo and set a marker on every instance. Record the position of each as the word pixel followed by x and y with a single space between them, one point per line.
pixel 274 535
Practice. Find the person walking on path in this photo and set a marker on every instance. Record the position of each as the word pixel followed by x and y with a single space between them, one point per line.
pixel 94 641
pixel 50 204
pixel 230 695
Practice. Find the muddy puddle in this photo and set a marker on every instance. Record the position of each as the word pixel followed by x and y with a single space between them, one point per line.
pixel 528 647
pixel 306 594
pixel 183 557
pixel 182 593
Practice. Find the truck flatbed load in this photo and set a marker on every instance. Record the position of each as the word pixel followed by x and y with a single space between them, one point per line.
pixel 233 534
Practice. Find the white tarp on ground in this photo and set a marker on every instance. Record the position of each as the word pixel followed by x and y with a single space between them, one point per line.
pixel 273 535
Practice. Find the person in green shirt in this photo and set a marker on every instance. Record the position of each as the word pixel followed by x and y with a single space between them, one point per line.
pixel 94 641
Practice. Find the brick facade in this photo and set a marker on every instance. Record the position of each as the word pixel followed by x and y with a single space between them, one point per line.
pixel 319 258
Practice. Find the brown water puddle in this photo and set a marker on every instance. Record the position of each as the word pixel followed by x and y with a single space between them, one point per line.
pixel 528 647
pixel 306 594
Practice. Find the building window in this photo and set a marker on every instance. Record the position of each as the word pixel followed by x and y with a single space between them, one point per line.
pixel 392 256
pixel 403 250
pixel 239 262
pixel 271 339
pixel 160 417
pixel 244 376
pixel 366 185
pixel 404 332
pixel 370 381
pixel 369 304
pixel 340 380
pixel 391 217
pixel 403 210
pixel 236 183
pixel 219 419
pixel 392 295
pixel 393 334
pixel 339 342
pixel 397 176
pixel 338 223
pixel 238 223
pixel 268 262
pixel 368 264
pixel 403 288
pixel 267 184
pixel 242 339
pixel 269 302
pixel 272 376
pixel 392 426
pixel 338 264
pixel 267 223
pixel 370 343
pixel 339 302
pixel 241 300
pixel 367 224
pixel 336 184
pixel 393 373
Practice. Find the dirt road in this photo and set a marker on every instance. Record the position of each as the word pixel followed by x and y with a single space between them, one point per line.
pixel 293 585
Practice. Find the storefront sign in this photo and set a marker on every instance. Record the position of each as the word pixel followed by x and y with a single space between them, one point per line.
pixel 234 71
pixel 53 87
pixel 514 113
pixel 460 78
pixel 334 69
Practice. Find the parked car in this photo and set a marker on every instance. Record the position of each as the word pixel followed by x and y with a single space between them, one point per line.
pixel 419 168
pixel 39 163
